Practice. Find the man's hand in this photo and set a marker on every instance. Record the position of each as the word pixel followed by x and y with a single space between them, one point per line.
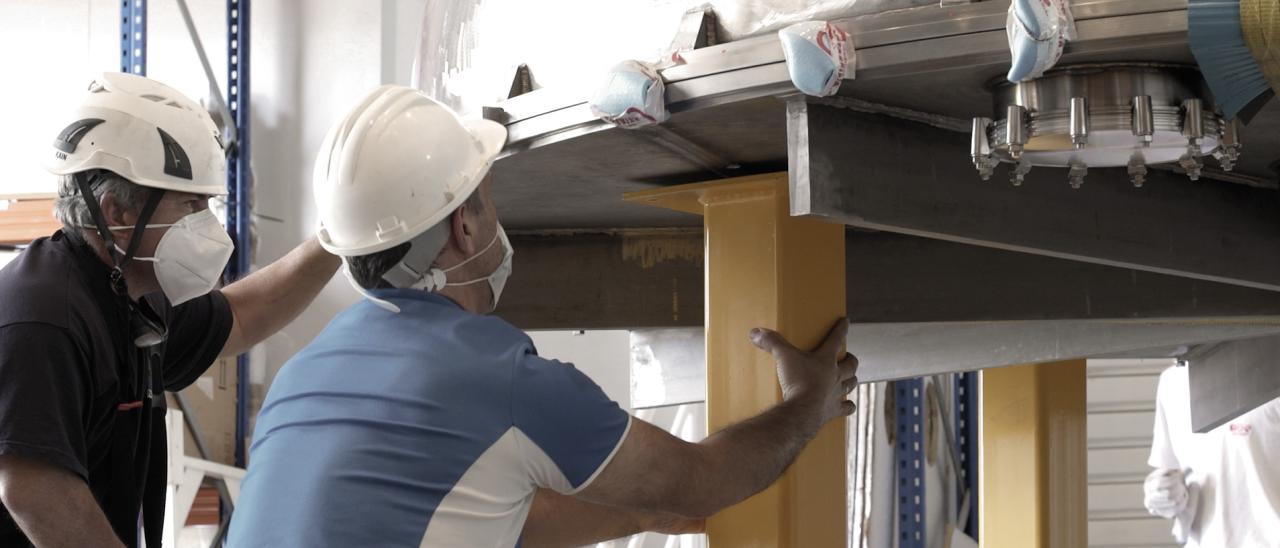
pixel 1165 492
pixel 824 377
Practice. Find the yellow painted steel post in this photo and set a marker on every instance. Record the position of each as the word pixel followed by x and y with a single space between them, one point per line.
pixel 766 268
pixel 1033 491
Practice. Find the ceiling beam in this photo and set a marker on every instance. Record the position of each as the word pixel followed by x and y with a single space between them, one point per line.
pixel 883 173
pixel 654 278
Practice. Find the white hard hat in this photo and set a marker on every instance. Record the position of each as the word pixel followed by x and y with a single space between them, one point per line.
pixel 395 166
pixel 146 132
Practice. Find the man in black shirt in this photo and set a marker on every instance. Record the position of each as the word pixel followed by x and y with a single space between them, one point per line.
pixel 101 318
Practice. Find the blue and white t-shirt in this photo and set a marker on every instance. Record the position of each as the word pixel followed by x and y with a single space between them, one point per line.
pixel 432 427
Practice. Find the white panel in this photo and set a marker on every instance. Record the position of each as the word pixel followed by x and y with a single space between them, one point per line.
pixel 1118 392
pixel 1128 367
pixel 1110 463
pixel 1144 532
pixel 1120 426
pixel 605 356
pixel 1115 497
pixel 1121 403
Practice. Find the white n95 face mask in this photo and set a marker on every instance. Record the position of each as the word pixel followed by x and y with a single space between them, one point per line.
pixel 498 279
pixel 190 257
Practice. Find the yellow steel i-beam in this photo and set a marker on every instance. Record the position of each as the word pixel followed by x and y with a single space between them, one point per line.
pixel 1033 456
pixel 765 268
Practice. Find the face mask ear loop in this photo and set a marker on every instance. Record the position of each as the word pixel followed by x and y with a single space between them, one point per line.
pixel 471 258
pixel 496 236
pixel 143 218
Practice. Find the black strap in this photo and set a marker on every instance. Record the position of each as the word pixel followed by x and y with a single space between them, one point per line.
pixel 144 219
pixel 86 185
pixel 95 211
pixel 155 463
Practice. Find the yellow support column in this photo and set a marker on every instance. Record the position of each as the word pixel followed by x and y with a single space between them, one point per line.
pixel 1033 491
pixel 765 268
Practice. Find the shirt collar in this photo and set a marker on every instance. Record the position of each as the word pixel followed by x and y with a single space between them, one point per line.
pixel 414 295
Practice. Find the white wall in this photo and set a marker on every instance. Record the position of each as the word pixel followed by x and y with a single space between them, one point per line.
pixel 48 56
pixel 310 61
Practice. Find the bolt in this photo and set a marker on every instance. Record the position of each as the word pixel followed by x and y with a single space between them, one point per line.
pixel 986 166
pixel 1137 170
pixel 1015 152
pixel 1019 172
pixel 1224 159
pixel 1076 176
pixel 1191 164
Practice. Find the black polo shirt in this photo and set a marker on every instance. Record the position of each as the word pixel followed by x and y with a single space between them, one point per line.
pixel 72 381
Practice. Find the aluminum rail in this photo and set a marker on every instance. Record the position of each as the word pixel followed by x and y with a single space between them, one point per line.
pixel 888 45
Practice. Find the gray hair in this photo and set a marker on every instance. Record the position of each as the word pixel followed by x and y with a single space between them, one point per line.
pixel 369 269
pixel 71 210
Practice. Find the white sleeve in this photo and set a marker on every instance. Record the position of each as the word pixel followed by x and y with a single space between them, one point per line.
pixel 1162 455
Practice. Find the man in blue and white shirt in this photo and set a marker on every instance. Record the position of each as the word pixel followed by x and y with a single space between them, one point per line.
pixel 415 419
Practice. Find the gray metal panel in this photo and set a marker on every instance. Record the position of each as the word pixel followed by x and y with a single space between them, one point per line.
pixel 889 174
pixel 908 350
pixel 654 278
pixel 894 351
pixel 896 278
pixel 1231 378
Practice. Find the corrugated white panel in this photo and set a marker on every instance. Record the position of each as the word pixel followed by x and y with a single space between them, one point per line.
pixel 1127 429
pixel 1127 533
pixel 1109 498
pixel 1115 393
pixel 1121 404
pixel 1125 464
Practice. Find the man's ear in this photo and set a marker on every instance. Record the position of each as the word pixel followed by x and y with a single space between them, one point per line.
pixel 113 213
pixel 464 231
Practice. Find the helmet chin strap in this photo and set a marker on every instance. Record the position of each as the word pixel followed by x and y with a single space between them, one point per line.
pixel 85 185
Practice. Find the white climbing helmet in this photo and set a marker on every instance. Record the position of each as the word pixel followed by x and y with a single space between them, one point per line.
pixel 395 166
pixel 146 132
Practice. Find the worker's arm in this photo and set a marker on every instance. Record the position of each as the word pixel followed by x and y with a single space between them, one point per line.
pixel 557 520
pixel 52 505
pixel 656 471
pixel 267 300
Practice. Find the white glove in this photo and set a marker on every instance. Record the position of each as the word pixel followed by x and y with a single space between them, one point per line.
pixel 1165 492
pixel 1184 521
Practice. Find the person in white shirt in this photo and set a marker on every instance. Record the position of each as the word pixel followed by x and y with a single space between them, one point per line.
pixel 1221 488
